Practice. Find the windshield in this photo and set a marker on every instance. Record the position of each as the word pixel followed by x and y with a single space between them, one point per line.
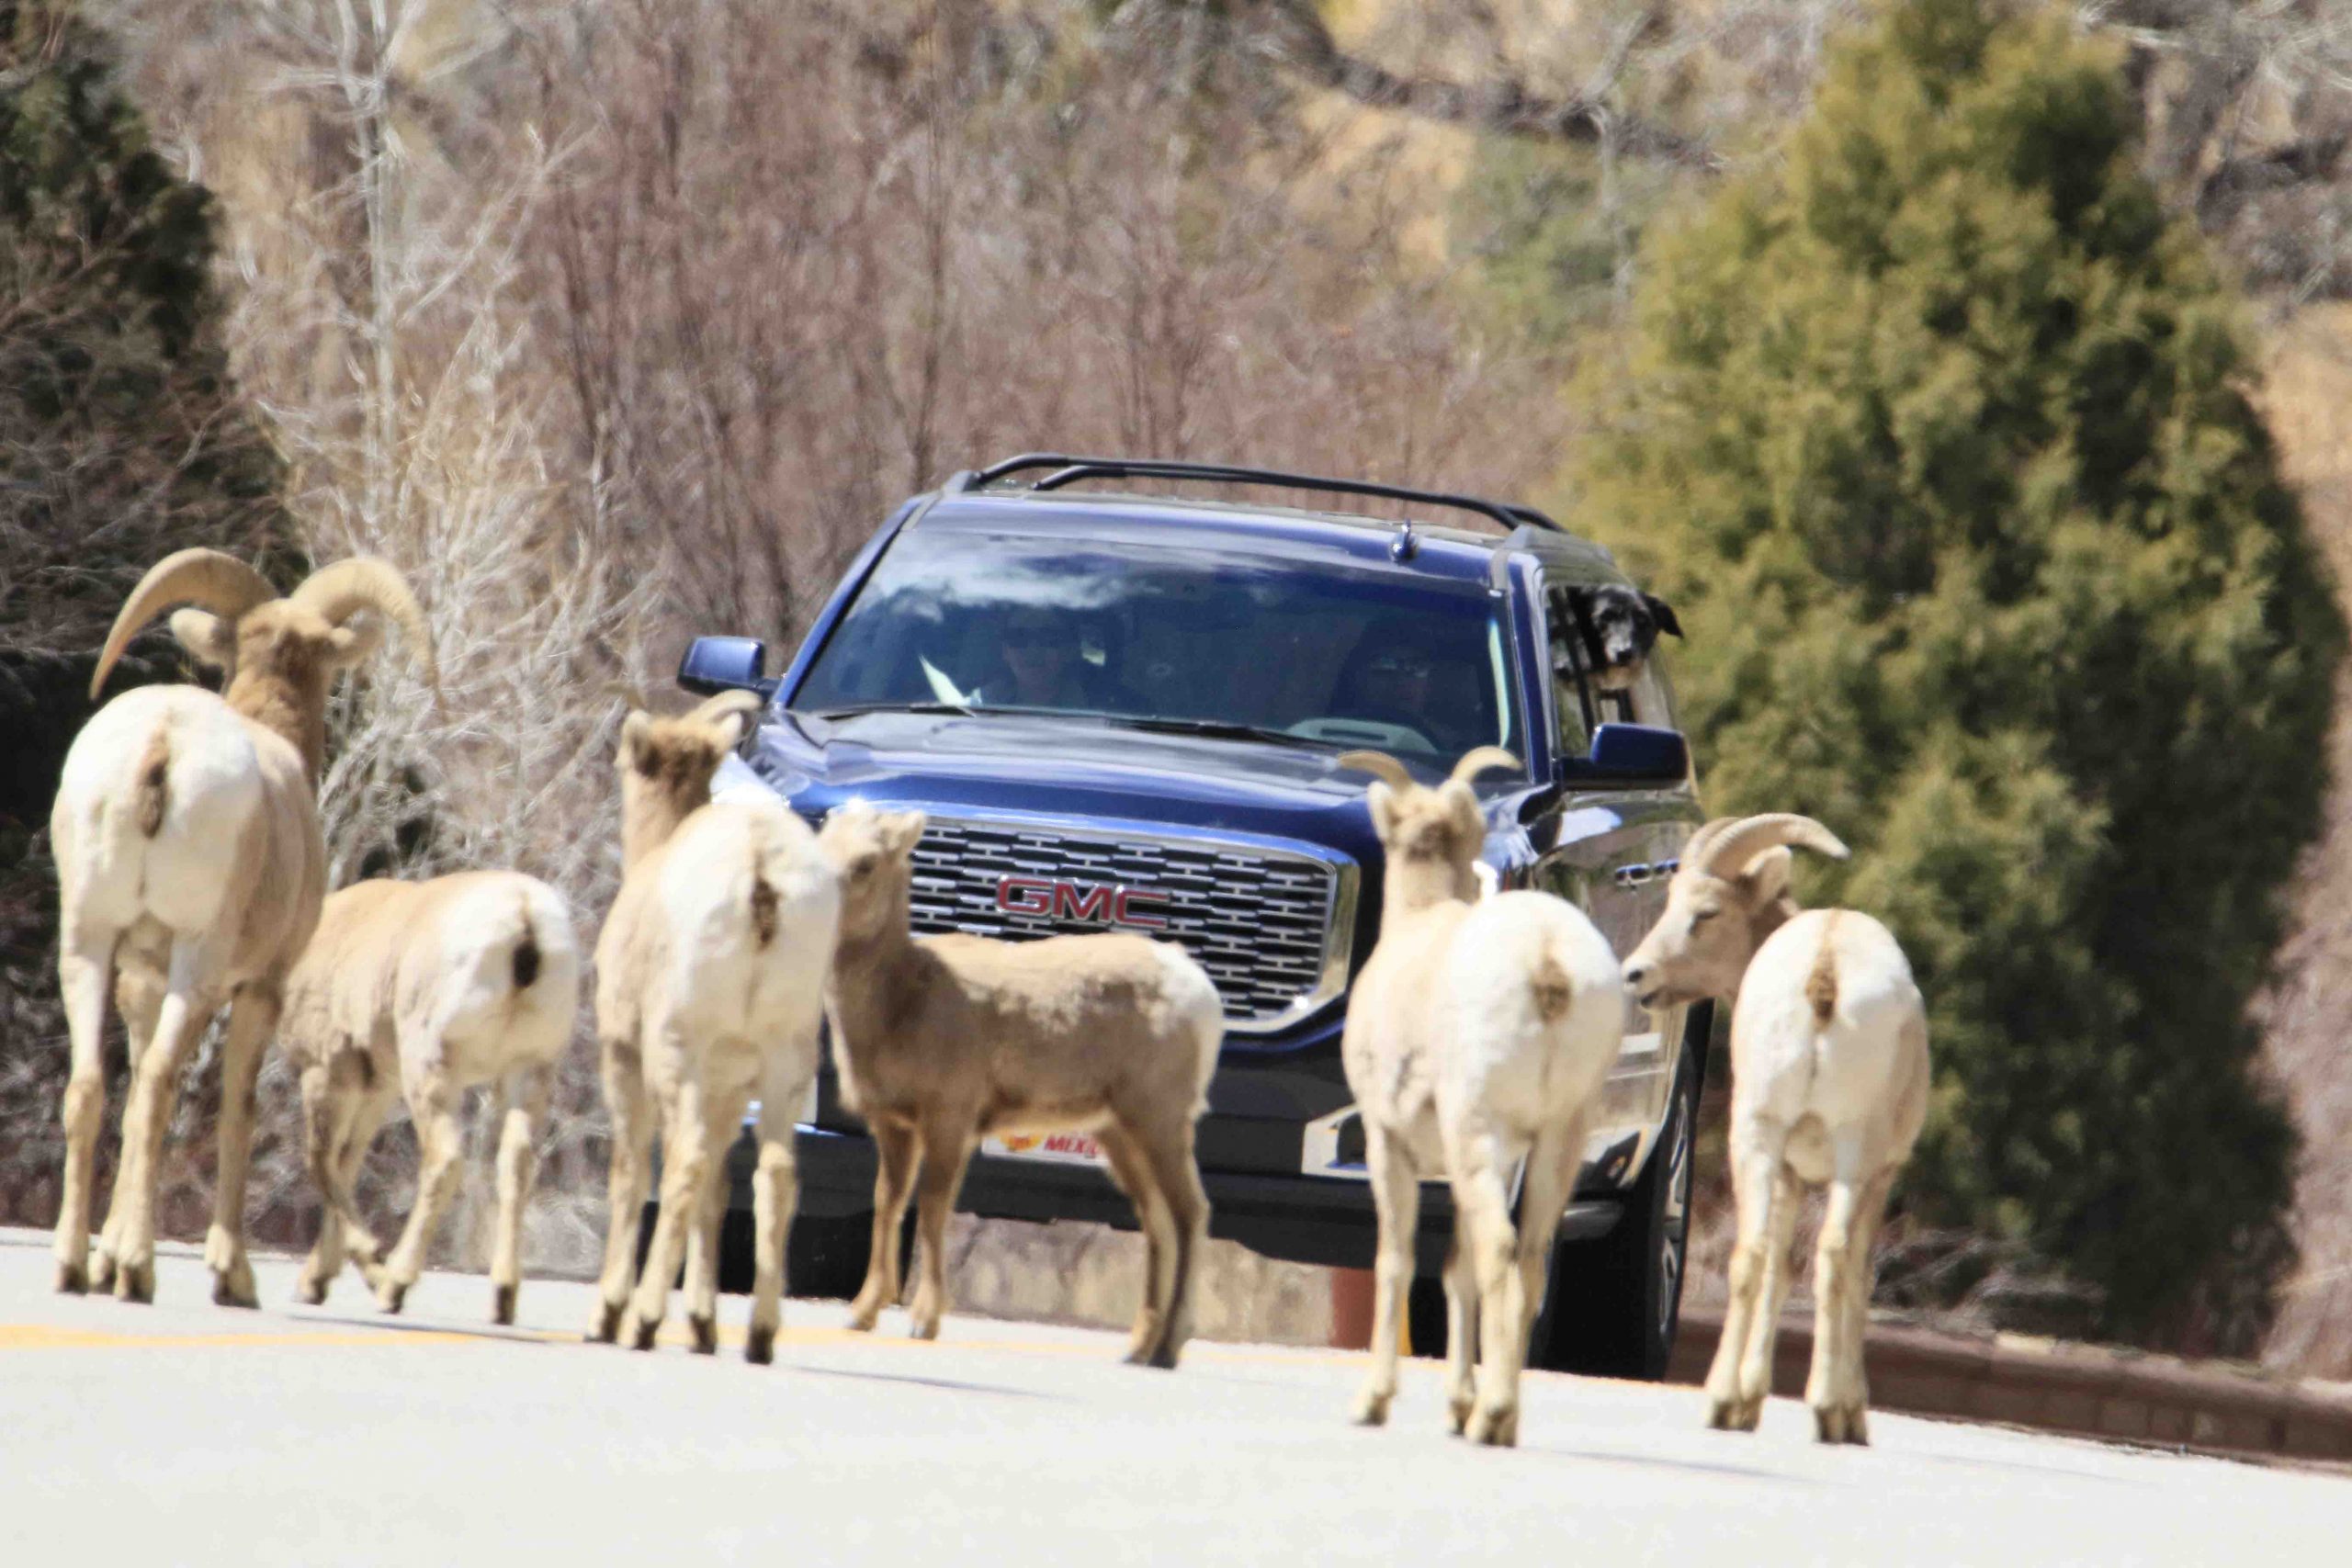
pixel 1173 637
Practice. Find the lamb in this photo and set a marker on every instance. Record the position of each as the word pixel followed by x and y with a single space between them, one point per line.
pixel 1829 1085
pixel 941 1040
pixel 1479 1035
pixel 190 865
pixel 710 975
pixel 427 989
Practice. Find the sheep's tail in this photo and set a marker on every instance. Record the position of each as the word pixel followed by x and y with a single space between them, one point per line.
pixel 526 956
pixel 1554 992
pixel 1821 985
pixel 154 782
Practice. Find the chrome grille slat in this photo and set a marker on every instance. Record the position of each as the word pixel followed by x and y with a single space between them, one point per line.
pixel 1261 922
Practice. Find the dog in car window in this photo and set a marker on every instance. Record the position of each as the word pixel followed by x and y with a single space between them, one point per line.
pixel 1618 626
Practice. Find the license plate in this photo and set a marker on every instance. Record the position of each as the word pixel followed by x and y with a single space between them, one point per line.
pixel 1063 1148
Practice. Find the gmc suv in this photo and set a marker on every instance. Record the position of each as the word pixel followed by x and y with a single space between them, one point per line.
pixel 1122 709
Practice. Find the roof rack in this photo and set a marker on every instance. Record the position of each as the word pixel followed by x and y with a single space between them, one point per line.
pixel 1066 470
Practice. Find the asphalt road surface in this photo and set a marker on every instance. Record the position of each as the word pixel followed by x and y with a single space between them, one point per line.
pixel 184 1433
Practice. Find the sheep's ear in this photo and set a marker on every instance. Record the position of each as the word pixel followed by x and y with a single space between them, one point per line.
pixel 350 644
pixel 731 728
pixel 1766 876
pixel 1663 613
pixel 212 641
pixel 901 829
pixel 1382 802
pixel 635 730
pixel 1469 822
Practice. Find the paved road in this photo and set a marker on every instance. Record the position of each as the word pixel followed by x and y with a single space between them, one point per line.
pixel 183 1433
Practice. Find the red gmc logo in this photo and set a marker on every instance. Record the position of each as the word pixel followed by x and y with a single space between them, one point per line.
pixel 1097 903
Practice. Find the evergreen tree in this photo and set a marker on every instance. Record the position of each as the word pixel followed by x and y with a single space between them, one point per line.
pixel 1937 435
pixel 121 439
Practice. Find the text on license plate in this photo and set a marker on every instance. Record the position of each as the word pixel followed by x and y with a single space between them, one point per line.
pixel 1069 1148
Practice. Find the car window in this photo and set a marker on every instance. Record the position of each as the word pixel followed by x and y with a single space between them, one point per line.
pixel 1326 652
pixel 1566 649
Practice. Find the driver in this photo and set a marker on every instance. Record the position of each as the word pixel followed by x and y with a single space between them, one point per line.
pixel 1389 679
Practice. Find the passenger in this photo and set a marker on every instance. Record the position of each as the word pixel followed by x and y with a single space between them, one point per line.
pixel 1392 678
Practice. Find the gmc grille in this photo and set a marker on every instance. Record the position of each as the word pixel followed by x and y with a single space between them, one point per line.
pixel 1271 929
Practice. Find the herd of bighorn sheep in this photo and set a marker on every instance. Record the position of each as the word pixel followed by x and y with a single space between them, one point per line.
pixel 193 876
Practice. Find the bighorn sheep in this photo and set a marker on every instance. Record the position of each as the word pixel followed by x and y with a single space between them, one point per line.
pixel 942 1039
pixel 427 989
pixel 711 984
pixel 1477 1036
pixel 190 863
pixel 1829 1085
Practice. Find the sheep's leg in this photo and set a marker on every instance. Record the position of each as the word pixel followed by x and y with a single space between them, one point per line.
pixel 252 1019
pixel 432 1105
pixel 82 974
pixel 1461 1333
pixel 1131 1173
pixel 1178 1178
pixel 723 1116
pixel 896 1147
pixel 138 993
pixel 1756 1148
pixel 1482 1163
pixel 1551 1167
pixel 354 1114
pixel 685 1160
pixel 178 1024
pixel 1397 1209
pixel 774 1193
pixel 624 1074
pixel 527 1091
pixel 941 1171
pixel 1780 1272
pixel 1835 1392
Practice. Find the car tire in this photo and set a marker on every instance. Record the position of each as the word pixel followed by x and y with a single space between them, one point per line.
pixel 827 1254
pixel 1614 1302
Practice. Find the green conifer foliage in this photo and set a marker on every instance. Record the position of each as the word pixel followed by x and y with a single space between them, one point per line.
pixel 1937 434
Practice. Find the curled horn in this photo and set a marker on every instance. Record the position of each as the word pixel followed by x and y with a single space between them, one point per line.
pixel 1387 769
pixel 1729 852
pixel 1477 760
pixel 1694 848
pixel 337 592
pixel 725 704
pixel 207 579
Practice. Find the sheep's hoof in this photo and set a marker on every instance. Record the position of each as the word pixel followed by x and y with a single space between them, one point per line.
pixel 72 1280
pixel 392 1295
pixel 638 1333
pixel 1839 1424
pixel 502 1306
pixel 705 1334
pixel 233 1287
pixel 759 1345
pixel 101 1270
pixel 1457 1413
pixel 607 1326
pixel 311 1289
pixel 864 1315
pixel 134 1282
pixel 1371 1409
pixel 1494 1427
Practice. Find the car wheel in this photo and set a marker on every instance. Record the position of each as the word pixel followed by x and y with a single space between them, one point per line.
pixel 827 1254
pixel 1614 1302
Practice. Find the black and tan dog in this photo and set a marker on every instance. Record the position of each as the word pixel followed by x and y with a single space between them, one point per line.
pixel 1619 626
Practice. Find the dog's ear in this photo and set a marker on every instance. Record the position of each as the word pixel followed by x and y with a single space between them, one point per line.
pixel 1663 613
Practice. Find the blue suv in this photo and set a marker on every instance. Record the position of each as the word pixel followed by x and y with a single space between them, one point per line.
pixel 1125 709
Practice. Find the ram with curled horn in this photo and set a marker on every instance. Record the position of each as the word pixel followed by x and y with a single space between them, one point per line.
pixel 1478 1036
pixel 190 865
pixel 1829 1088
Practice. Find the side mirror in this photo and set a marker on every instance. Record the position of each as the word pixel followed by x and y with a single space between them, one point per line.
pixel 715 664
pixel 1640 752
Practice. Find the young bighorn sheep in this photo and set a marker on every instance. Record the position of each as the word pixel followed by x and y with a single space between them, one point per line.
pixel 941 1040
pixel 1477 1036
pixel 711 984
pixel 427 989
pixel 1829 1085
pixel 190 865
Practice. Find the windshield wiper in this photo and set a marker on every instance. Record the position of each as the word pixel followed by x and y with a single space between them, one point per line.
pixel 1217 728
pixel 962 710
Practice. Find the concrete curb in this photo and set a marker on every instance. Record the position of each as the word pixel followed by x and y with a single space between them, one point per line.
pixel 2085 1390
